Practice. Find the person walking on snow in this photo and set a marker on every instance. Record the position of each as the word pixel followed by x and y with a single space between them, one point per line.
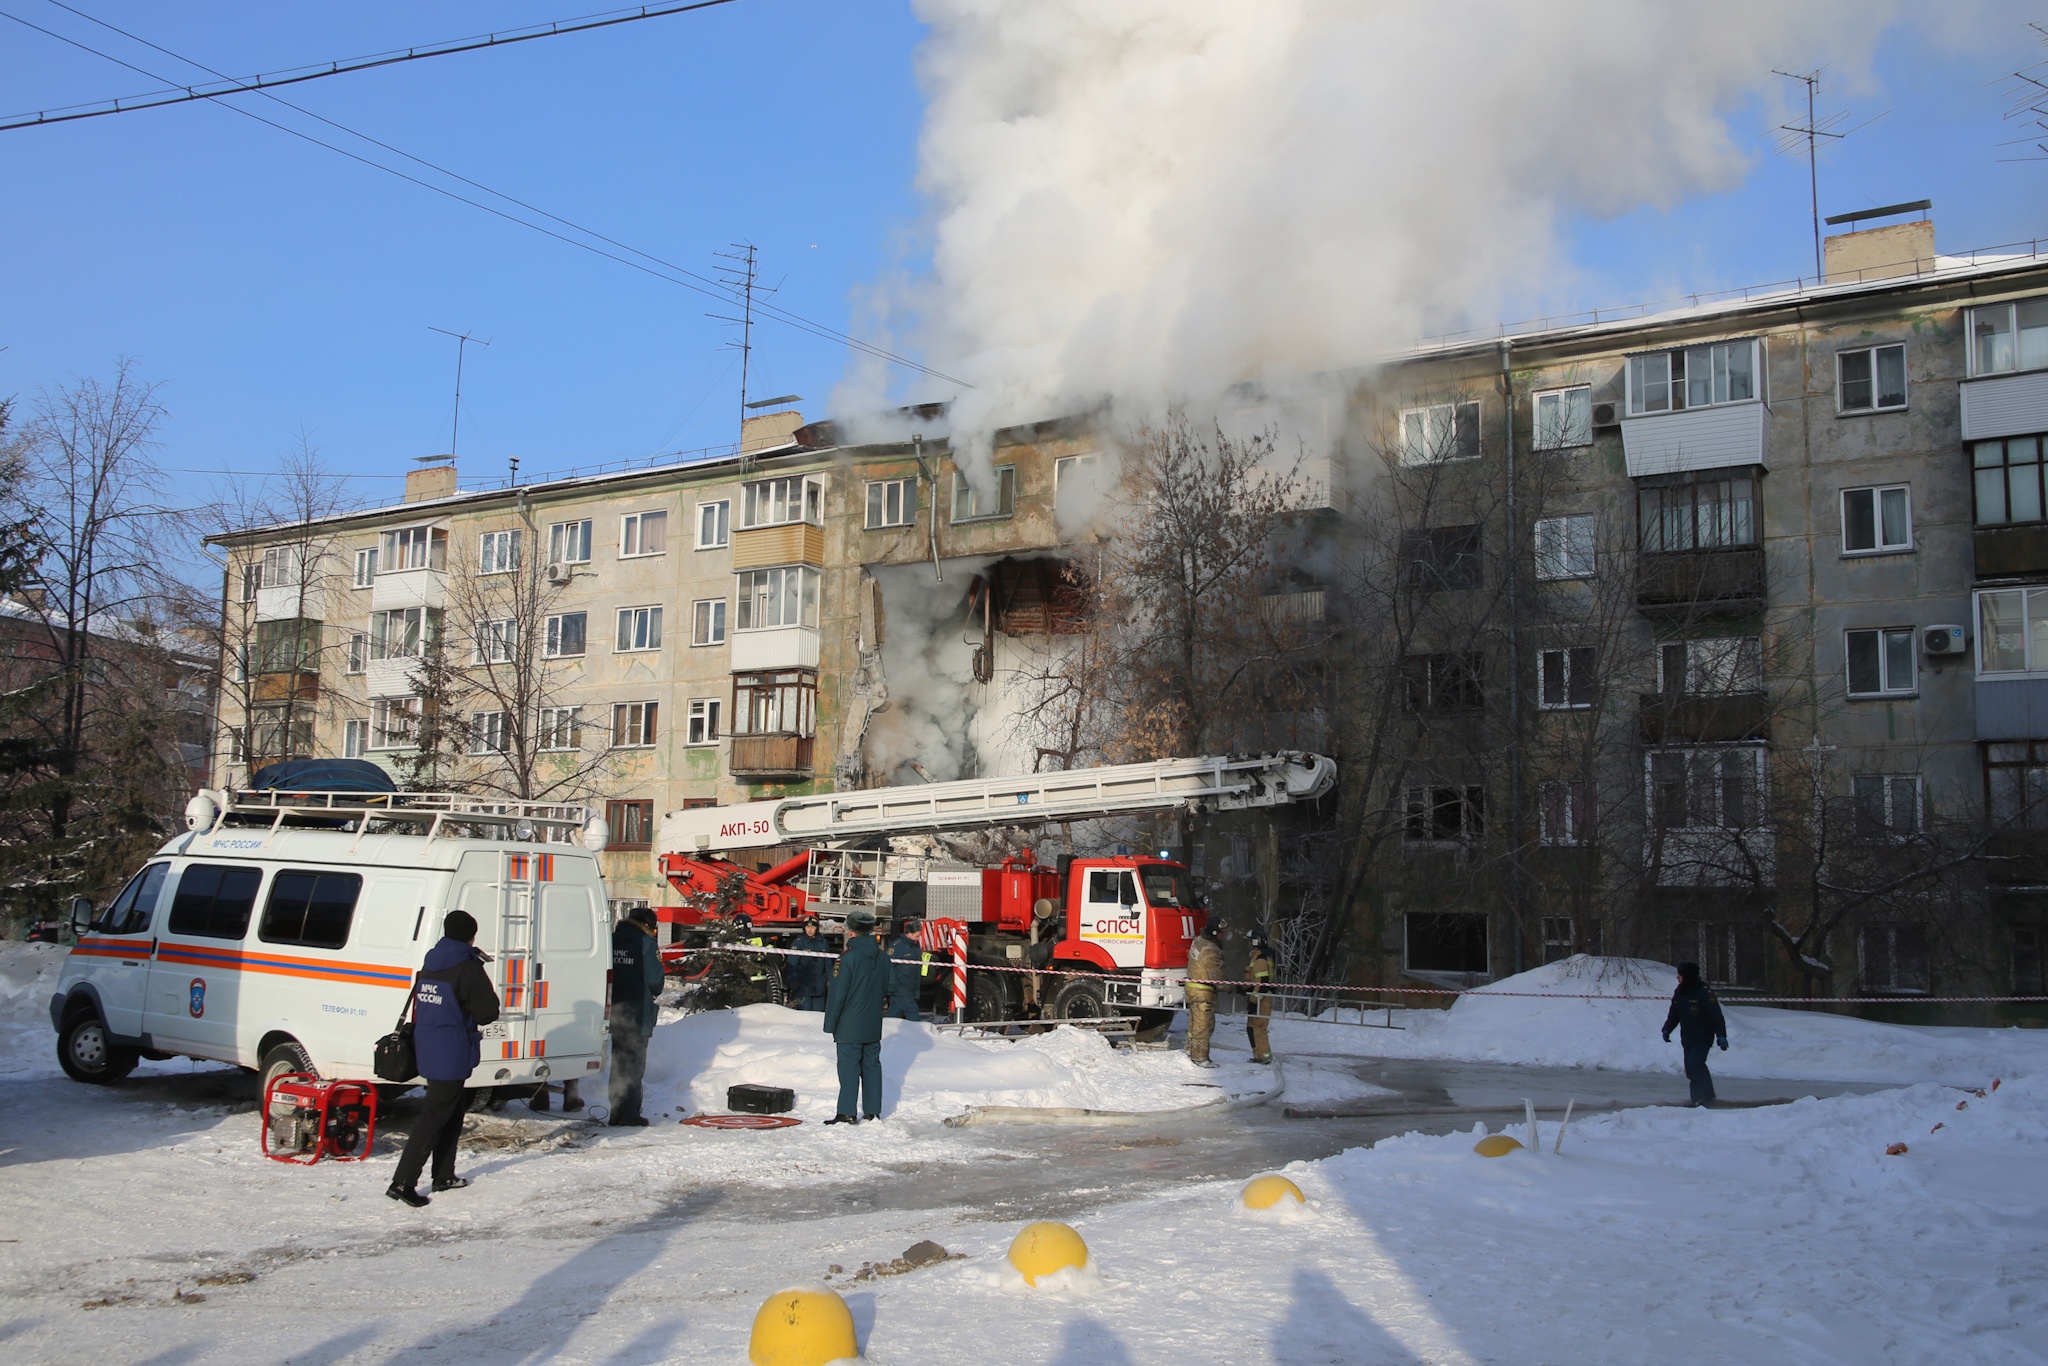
pixel 636 980
pixel 1697 1017
pixel 807 976
pixel 452 1000
pixel 1205 965
pixel 906 973
pixel 853 1017
pixel 1258 1014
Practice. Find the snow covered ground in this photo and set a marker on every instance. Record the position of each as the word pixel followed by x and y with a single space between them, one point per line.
pixel 1492 1025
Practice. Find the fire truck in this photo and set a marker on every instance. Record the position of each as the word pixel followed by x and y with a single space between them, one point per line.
pixel 1117 925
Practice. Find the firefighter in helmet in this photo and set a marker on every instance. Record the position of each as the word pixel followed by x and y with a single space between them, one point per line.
pixel 908 964
pixel 1258 1013
pixel 1205 966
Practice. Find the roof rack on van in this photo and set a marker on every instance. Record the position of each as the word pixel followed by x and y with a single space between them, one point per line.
pixel 442 813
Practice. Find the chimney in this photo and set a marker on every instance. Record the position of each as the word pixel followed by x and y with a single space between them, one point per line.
pixel 770 431
pixel 430 481
pixel 1880 253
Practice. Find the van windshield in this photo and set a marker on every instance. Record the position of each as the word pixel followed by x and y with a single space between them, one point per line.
pixel 1163 887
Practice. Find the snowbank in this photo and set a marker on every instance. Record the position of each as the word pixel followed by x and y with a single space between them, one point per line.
pixel 28 979
pixel 1491 1025
pixel 926 1073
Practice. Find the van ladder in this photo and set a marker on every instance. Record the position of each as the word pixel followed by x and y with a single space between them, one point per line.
pixel 521 993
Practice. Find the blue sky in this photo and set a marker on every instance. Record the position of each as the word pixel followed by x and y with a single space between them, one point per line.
pixel 275 287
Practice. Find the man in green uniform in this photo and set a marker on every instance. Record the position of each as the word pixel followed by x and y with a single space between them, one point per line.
pixel 853 1017
pixel 1205 965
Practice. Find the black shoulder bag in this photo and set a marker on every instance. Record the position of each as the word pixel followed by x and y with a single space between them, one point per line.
pixel 394 1059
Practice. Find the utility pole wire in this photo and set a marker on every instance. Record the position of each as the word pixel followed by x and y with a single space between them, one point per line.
pixel 183 94
pixel 706 286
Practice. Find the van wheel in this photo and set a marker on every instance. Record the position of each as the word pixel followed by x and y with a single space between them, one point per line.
pixel 1081 998
pixel 285 1133
pixel 88 1055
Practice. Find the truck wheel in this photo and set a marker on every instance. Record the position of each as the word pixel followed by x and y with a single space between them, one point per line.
pixel 285 1057
pixel 87 1055
pixel 1081 998
pixel 987 1003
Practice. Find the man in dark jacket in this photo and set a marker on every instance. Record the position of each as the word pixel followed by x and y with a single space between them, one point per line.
pixel 1697 1017
pixel 906 973
pixel 808 976
pixel 636 980
pixel 853 1017
pixel 452 1000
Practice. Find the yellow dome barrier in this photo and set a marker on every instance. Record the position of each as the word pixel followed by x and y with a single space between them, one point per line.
pixel 805 1326
pixel 1045 1247
pixel 1264 1192
pixel 1496 1145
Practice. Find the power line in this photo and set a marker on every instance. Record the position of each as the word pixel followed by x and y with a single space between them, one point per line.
pixel 669 271
pixel 183 94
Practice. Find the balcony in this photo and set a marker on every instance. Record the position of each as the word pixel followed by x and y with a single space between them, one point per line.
pixel 777 647
pixel 1700 439
pixel 2017 858
pixel 395 588
pixel 769 546
pixel 2006 550
pixel 1673 583
pixel 1673 718
pixel 760 757
pixel 391 677
pixel 285 687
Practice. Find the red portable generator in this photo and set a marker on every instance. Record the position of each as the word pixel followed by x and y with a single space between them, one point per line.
pixel 306 1119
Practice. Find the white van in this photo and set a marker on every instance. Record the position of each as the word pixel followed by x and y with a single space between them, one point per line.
pixel 263 939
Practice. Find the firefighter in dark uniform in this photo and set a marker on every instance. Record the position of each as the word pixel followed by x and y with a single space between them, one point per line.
pixel 452 1000
pixel 636 981
pixel 853 1017
pixel 808 976
pixel 1697 1017
pixel 1258 1013
pixel 906 973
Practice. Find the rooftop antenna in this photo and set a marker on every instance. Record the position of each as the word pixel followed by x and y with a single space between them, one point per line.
pixel 1791 135
pixel 462 340
pixel 2029 93
pixel 743 280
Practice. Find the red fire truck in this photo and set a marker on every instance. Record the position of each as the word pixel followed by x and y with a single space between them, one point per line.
pixel 1124 920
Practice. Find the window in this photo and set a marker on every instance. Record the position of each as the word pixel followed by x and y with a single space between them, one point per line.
pixel 131 912
pixel 892 502
pixel 496 638
pixel 1692 377
pixel 1881 662
pixel 714 524
pixel 1716 665
pixel 699 803
pixel 1870 381
pixel 1444 683
pixel 1564 547
pixel 1730 953
pixel 394 722
pixel 633 725
pixel 783 703
pixel 358 651
pixel 2006 337
pixel 1564 812
pixel 366 567
pixel 403 632
pixel 1564 417
pixel 354 738
pixel 214 901
pixel 1887 806
pixel 280 732
pixel 1560 943
pixel 497 552
pixel 2012 630
pixel 252 580
pixel 1443 813
pixel 287 646
pixel 487 732
pixel 1566 678
pixel 631 825
pixel 1442 557
pixel 1437 941
pixel 1711 511
pixel 2028 962
pixel 2008 480
pixel 778 502
pixel 972 504
pixel 413 547
pixel 281 566
pixel 1876 520
pixel 703 728
pixel 1893 958
pixel 1078 482
pixel 1442 431
pixel 777 597
pixel 311 909
pixel 561 728
pixel 639 629
pixel 1705 789
pixel 707 621
pixel 643 533
pixel 2016 782
pixel 564 635
pixel 569 542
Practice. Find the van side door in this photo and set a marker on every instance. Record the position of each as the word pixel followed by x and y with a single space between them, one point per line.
pixel 195 985
pixel 572 960
pixel 114 954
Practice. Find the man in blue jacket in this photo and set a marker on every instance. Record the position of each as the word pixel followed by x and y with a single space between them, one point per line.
pixel 853 1017
pixel 1697 1017
pixel 452 1000
pixel 808 976
pixel 906 973
pixel 636 981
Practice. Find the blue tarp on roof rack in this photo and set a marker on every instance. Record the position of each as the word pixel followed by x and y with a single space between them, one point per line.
pixel 322 775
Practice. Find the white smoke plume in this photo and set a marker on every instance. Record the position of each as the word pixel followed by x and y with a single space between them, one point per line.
pixel 1152 200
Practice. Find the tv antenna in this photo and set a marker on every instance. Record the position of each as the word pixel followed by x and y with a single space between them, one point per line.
pixel 462 340
pixel 1818 127
pixel 2029 92
pixel 742 278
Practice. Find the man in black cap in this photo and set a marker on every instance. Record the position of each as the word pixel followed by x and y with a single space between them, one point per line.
pixel 1697 1017
pixel 636 981
pixel 452 1000
pixel 853 1017
pixel 807 976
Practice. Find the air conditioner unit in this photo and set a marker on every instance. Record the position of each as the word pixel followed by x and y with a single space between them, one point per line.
pixel 560 573
pixel 1944 640
pixel 1607 414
